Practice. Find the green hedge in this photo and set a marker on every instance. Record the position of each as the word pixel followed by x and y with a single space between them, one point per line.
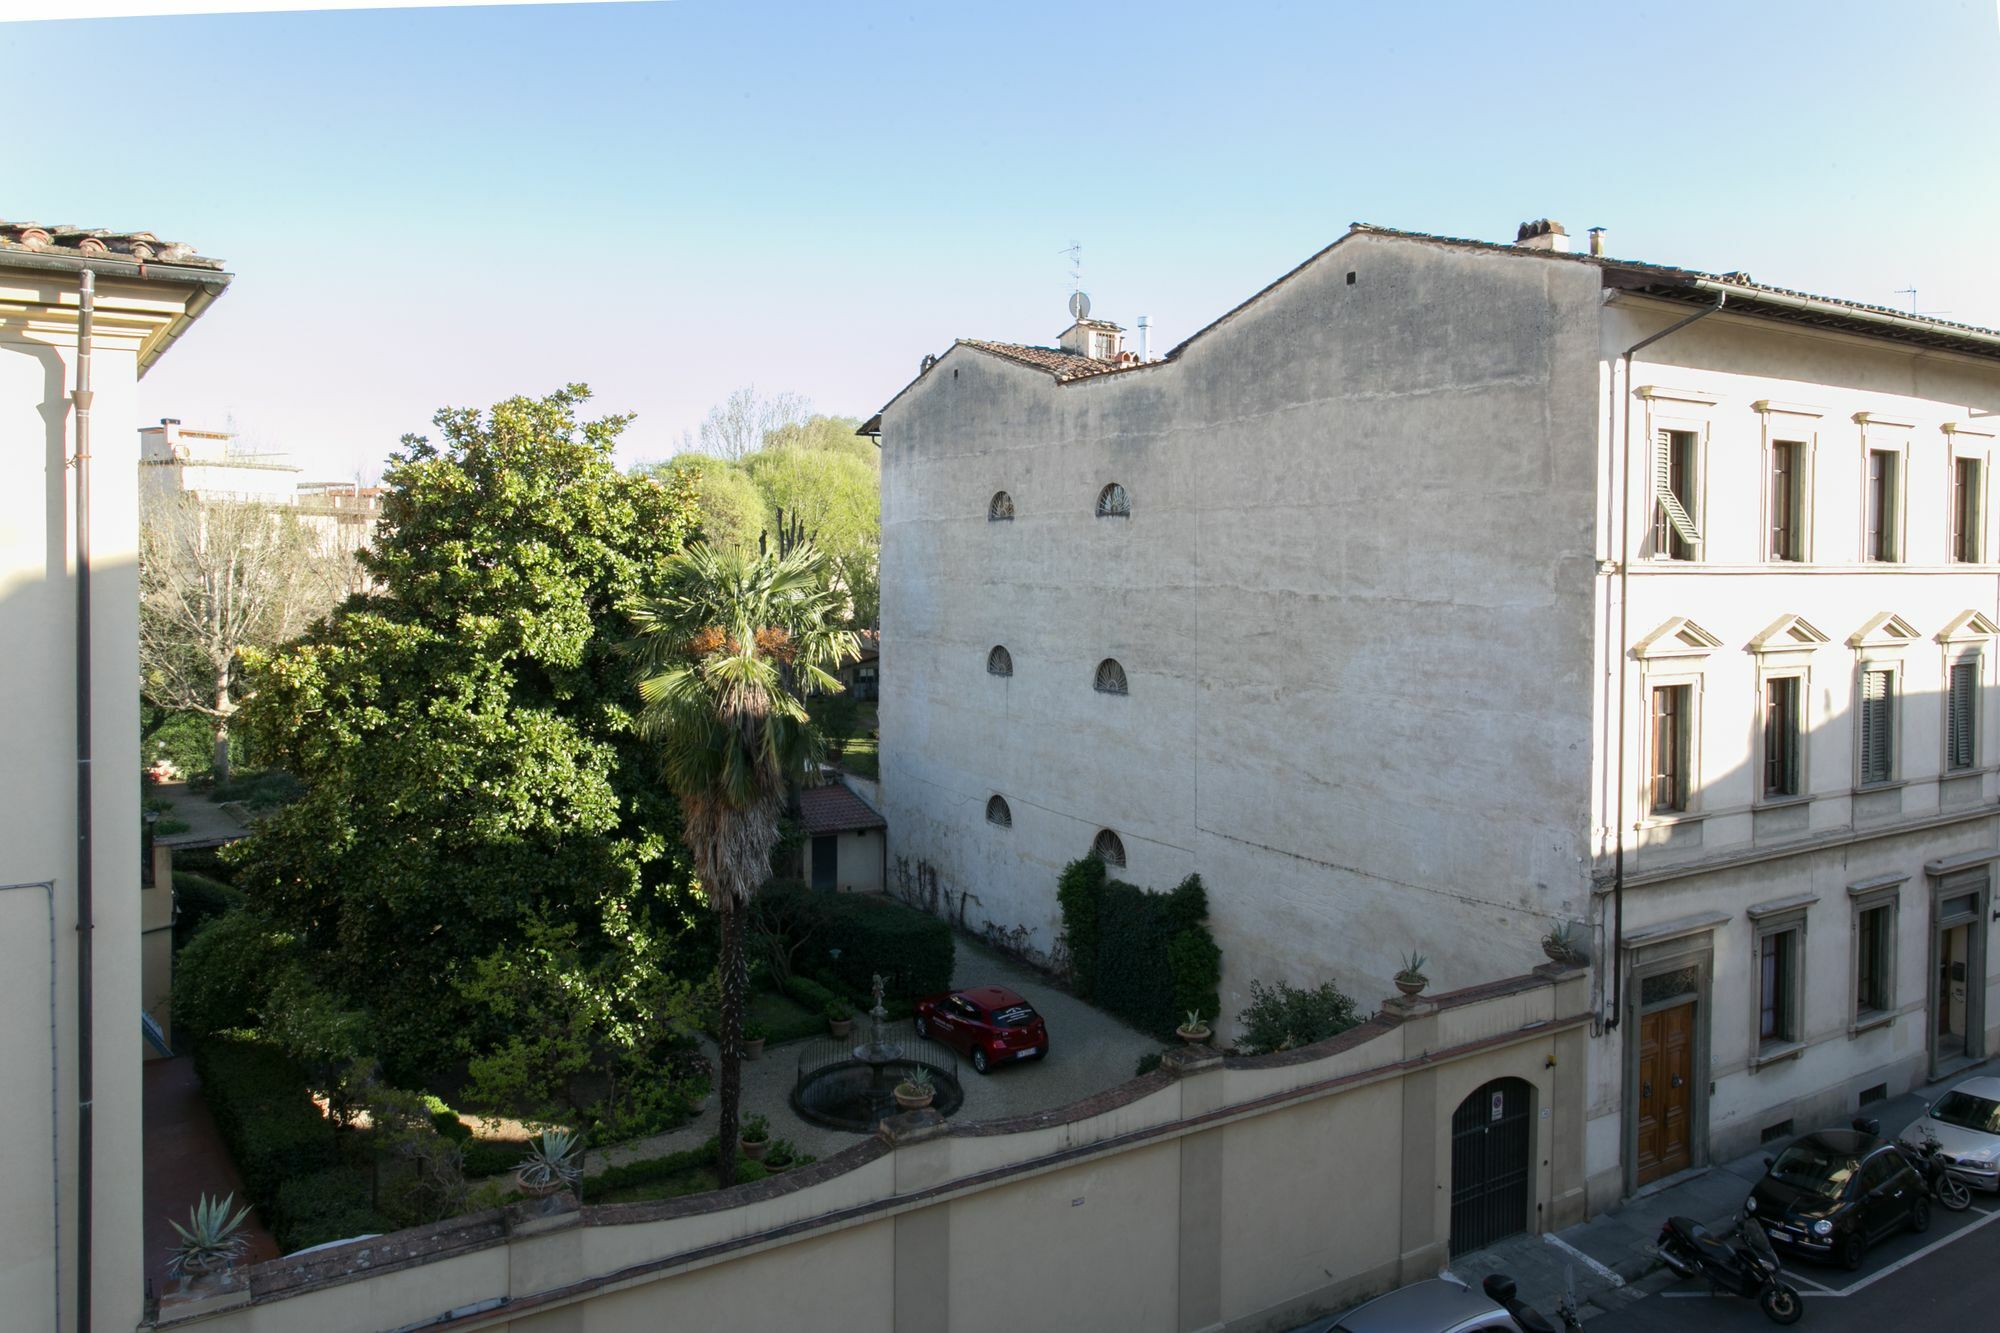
pixel 1147 957
pixel 222 977
pixel 199 900
pixel 261 1104
pixel 655 1169
pixel 327 1205
pixel 913 950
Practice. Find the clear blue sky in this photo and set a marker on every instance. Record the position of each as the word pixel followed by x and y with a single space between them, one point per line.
pixel 669 200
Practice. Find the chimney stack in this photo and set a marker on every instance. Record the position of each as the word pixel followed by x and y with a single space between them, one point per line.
pixel 1543 234
pixel 1145 339
pixel 1597 240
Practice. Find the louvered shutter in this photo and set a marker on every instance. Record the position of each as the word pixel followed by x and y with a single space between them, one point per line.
pixel 1960 713
pixel 1663 488
pixel 1877 738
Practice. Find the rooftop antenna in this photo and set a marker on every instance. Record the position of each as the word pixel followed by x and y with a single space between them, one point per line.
pixel 1911 292
pixel 1075 252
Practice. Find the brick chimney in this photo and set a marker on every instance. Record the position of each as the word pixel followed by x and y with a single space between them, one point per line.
pixel 1543 234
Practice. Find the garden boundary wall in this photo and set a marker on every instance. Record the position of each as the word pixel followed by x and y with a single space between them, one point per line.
pixel 1220 1192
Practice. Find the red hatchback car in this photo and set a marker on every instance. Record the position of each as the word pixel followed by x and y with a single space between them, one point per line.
pixel 989 1025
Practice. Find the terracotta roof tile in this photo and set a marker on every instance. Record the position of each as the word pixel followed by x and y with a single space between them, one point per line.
pixel 61 241
pixel 835 809
pixel 1064 365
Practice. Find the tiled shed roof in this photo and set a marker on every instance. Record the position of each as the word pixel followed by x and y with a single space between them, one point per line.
pixel 60 241
pixel 835 809
pixel 1063 364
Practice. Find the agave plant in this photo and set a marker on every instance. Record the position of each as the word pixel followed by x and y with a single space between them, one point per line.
pixel 919 1080
pixel 1413 967
pixel 555 1158
pixel 212 1239
pixel 1194 1021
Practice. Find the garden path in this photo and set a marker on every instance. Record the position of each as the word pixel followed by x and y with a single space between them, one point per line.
pixel 1089 1051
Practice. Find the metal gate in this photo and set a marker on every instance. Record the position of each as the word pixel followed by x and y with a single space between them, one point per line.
pixel 1492 1142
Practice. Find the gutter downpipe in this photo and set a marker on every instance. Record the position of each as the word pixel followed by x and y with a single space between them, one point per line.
pixel 85 924
pixel 1617 959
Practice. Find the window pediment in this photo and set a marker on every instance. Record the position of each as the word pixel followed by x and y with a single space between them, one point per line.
pixel 1679 637
pixel 1886 630
pixel 1788 634
pixel 1968 627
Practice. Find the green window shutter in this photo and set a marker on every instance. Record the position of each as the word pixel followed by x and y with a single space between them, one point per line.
pixel 1663 488
pixel 1877 731
pixel 1960 714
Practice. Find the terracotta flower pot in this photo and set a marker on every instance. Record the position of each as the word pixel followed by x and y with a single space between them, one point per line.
pixel 1193 1036
pixel 1412 988
pixel 753 1048
pixel 912 1101
pixel 541 1191
pixel 754 1151
pixel 840 1027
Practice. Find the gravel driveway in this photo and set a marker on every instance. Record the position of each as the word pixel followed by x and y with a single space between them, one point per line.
pixel 1089 1051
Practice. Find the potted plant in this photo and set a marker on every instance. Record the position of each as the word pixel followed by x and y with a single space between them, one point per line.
pixel 839 1017
pixel 1411 979
pixel 753 1041
pixel 755 1138
pixel 554 1163
pixel 781 1156
pixel 1194 1031
pixel 916 1089
pixel 211 1242
pixel 1560 944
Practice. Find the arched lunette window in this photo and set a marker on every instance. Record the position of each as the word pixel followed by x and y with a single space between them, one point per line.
pixel 1110 678
pixel 998 813
pixel 999 662
pixel 1000 508
pixel 1113 502
pixel 1107 848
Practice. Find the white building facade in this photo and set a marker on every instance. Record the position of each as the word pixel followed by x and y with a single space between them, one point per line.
pixel 147 293
pixel 1368 604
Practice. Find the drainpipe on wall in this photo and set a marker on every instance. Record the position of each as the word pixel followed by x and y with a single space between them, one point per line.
pixel 86 312
pixel 1617 959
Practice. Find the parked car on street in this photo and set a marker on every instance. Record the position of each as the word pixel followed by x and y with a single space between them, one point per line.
pixel 1966 1124
pixel 988 1025
pixel 1832 1194
pixel 1436 1305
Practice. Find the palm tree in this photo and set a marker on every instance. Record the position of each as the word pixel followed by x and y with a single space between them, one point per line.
pixel 728 649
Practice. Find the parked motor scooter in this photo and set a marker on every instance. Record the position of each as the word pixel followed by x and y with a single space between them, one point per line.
pixel 1500 1289
pixel 1743 1264
pixel 1945 1185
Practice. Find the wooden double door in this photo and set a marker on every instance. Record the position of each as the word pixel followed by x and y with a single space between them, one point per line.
pixel 1666 1092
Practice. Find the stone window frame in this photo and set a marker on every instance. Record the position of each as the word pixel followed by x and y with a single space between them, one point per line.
pixel 1109 848
pixel 1785 648
pixel 1863 897
pixel 1782 916
pixel 1111 678
pixel 1883 644
pixel 996 805
pixel 1678 410
pixel 1675 654
pixel 999 662
pixel 1969 637
pixel 1973 441
pixel 1789 423
pixel 1114 501
pixel 1884 435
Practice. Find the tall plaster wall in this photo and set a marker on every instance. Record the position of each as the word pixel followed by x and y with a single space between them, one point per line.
pixel 38 840
pixel 1352 601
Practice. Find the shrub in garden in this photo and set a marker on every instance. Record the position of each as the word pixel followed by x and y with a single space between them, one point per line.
pixel 223 976
pixel 199 900
pixel 1282 1017
pixel 800 927
pixel 1147 957
pixel 266 1114
pixel 323 1206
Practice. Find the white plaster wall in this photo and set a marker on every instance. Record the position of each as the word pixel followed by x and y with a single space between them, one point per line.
pixel 1353 602
pixel 38 828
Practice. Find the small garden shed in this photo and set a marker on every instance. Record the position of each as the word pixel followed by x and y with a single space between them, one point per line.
pixel 844 841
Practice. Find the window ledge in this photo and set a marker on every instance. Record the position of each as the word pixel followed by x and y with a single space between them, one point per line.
pixel 1870 788
pixel 1783 802
pixel 1667 818
pixel 1776 1052
pixel 1869 1022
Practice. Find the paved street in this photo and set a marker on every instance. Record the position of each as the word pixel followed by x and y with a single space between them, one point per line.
pixel 1948 1278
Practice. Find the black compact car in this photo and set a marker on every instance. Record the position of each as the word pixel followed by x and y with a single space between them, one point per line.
pixel 1832 1194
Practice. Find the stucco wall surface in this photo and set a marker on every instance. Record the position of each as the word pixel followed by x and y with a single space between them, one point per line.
pixel 1352 602
pixel 1217 1193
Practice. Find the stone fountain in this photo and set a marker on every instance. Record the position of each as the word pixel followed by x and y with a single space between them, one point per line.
pixel 854 1087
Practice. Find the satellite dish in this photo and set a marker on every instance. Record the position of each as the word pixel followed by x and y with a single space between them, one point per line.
pixel 1079 306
